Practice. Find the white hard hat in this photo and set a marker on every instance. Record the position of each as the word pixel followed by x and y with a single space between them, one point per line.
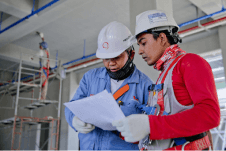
pixel 156 20
pixel 113 39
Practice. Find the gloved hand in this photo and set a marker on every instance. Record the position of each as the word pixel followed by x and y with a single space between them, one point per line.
pixel 81 126
pixel 134 127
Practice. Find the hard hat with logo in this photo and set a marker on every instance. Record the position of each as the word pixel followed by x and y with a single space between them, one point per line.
pixel 156 20
pixel 113 39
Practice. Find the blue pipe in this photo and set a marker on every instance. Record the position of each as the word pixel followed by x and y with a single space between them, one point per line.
pixel 84 57
pixel 28 16
pixel 203 17
pixel 33 6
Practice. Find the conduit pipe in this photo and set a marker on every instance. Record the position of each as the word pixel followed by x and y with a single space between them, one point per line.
pixel 207 25
pixel 28 16
pixel 84 64
pixel 82 58
pixel 202 18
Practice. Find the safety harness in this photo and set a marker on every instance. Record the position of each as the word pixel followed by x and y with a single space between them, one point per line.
pixel 197 142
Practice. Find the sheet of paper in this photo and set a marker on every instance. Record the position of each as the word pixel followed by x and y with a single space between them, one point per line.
pixel 100 110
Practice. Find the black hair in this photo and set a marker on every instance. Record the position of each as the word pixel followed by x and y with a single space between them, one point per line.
pixel 172 38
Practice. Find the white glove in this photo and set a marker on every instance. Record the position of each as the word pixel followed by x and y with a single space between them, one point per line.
pixel 81 126
pixel 134 127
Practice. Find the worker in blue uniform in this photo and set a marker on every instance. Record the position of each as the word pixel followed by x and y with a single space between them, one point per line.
pixel 120 77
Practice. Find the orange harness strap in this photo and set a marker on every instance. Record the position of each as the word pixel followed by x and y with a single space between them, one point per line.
pixel 121 91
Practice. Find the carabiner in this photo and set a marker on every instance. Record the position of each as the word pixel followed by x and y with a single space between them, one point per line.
pixel 157 108
pixel 182 149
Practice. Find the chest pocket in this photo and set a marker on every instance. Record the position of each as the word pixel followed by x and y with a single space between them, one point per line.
pixel 128 107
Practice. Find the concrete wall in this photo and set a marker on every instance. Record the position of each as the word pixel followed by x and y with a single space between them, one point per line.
pixel 73 141
pixel 63 123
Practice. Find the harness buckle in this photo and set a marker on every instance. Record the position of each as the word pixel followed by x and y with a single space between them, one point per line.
pixel 157 109
pixel 184 145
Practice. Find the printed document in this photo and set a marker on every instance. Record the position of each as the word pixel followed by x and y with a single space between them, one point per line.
pixel 100 110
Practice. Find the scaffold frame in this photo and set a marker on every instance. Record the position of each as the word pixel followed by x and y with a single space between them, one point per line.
pixel 16 85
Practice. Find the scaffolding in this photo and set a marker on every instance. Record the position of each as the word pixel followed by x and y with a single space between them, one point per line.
pixel 15 87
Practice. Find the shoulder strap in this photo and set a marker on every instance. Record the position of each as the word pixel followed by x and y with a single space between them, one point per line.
pixel 171 65
pixel 160 100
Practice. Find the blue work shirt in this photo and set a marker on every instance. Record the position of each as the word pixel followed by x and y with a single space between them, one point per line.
pixel 97 80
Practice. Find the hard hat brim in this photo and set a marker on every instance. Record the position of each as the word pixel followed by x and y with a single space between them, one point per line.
pixel 133 39
pixel 108 55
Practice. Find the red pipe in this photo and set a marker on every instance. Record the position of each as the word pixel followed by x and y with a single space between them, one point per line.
pixel 83 63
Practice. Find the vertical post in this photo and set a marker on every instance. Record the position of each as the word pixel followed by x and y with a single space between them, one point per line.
pixel 17 100
pixel 18 85
pixel 51 144
pixel 21 131
pixel 58 133
pixel 223 143
pixel 59 109
pixel 33 89
pixel 38 133
pixel 59 102
pixel 40 88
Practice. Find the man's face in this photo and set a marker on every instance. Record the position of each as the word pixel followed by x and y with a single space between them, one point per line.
pixel 149 48
pixel 115 64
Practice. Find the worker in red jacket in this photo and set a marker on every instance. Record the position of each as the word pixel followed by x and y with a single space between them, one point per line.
pixel 183 104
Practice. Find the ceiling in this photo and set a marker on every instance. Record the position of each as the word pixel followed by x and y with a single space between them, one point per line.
pixel 67 24
pixel 81 20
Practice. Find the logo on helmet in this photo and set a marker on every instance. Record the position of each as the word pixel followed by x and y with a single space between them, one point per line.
pixel 105 45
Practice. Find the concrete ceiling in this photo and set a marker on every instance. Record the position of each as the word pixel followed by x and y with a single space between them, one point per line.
pixel 66 30
pixel 67 23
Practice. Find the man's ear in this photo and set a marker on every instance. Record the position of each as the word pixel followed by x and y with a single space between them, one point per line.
pixel 132 54
pixel 163 38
